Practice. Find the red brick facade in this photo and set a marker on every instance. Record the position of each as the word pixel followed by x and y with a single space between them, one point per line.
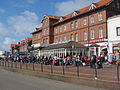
pixel 24 44
pixel 57 29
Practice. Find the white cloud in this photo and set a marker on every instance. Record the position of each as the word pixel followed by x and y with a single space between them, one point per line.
pixel 25 23
pixel 31 1
pixel 2 11
pixel 67 7
pixel 5 44
pixel 3 30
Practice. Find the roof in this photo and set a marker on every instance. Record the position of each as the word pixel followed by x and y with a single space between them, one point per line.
pixel 37 30
pixel 28 38
pixel 86 9
pixel 70 44
pixel 53 17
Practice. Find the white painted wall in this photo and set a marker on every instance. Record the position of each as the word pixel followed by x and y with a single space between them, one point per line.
pixel 113 23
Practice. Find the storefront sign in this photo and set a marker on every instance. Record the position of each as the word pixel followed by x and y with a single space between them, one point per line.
pixel 98 40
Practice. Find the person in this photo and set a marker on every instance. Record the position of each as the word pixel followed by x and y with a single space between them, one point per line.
pixel 117 57
pixel 93 61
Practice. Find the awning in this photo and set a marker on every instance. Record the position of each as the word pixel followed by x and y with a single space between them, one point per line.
pixel 69 44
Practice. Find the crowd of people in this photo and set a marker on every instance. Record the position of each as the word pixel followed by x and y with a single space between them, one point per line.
pixel 75 60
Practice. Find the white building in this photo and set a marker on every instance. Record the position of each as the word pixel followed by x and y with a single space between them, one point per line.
pixel 1 53
pixel 113 33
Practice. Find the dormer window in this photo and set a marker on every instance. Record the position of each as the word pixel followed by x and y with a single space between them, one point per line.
pixel 92 6
pixel 74 14
pixel 61 19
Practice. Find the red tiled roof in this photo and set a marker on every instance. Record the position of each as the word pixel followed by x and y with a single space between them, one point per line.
pixel 51 16
pixel 86 9
pixel 29 38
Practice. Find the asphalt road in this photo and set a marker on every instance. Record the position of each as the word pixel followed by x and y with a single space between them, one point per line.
pixel 16 81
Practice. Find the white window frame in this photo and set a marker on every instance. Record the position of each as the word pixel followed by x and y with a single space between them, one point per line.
pixel 60 29
pixel 92 34
pixel 72 25
pixel 92 20
pixel 100 32
pixel 76 37
pixel 60 39
pixel 76 24
pixel 72 37
pixel 56 30
pixel 65 27
pixel 65 38
pixel 100 16
pixel 85 35
pixel 85 21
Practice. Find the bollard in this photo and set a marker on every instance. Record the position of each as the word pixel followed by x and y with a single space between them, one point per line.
pixel 51 68
pixel 26 66
pixel 20 65
pixel 8 63
pixel 63 69
pixel 78 70
pixel 41 67
pixel 118 78
pixel 5 63
pixel 16 64
pixel 33 67
pixel 96 72
pixel 2 63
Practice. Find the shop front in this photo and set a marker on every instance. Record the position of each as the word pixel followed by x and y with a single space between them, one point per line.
pixel 64 49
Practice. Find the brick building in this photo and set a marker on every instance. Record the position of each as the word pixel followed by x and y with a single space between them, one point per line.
pixel 23 45
pixel 87 26
pixel 14 48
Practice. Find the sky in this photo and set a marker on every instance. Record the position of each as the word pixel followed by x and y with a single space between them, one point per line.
pixel 18 18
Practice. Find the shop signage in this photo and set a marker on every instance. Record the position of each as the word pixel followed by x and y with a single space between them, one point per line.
pixel 98 40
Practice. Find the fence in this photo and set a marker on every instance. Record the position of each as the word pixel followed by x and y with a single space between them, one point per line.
pixel 108 73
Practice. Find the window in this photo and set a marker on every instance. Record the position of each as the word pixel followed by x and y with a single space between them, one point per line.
pixel 65 38
pixel 72 37
pixel 72 25
pixel 92 34
pixel 100 17
pixel 118 31
pixel 56 30
pixel 100 32
pixel 56 40
pixel 60 28
pixel 46 31
pixel 65 27
pixel 76 24
pixel 85 21
pixel 76 37
pixel 92 6
pixel 74 14
pixel 60 39
pixel 85 35
pixel 92 19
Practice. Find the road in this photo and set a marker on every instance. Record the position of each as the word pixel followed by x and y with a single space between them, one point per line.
pixel 15 81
